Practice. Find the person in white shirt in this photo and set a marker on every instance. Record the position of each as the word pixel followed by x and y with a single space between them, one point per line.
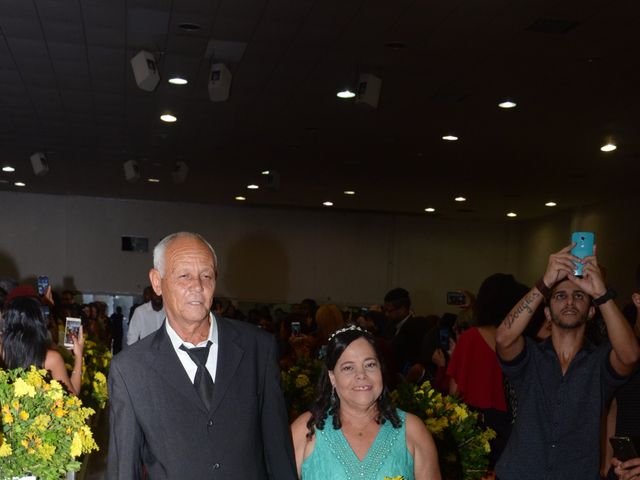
pixel 146 319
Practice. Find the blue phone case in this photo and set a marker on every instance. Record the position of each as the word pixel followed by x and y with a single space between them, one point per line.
pixel 584 248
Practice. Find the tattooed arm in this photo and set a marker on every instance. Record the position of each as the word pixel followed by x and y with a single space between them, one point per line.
pixel 509 341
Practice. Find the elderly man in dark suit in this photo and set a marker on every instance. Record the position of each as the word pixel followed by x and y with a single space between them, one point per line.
pixel 201 397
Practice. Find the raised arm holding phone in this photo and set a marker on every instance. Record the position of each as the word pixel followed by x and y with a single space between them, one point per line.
pixel 562 384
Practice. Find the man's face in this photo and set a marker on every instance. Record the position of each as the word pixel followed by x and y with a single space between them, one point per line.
pixel 189 281
pixel 569 307
pixel 395 314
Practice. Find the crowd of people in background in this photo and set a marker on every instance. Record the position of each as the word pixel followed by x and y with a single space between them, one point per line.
pixel 470 351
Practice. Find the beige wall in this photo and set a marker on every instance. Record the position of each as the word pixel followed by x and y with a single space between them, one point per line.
pixel 269 255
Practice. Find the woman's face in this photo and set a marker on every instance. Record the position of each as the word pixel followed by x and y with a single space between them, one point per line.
pixel 357 377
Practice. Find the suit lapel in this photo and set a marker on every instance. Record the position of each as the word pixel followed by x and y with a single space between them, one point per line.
pixel 229 355
pixel 166 363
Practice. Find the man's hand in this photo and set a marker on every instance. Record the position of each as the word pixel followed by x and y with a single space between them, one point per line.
pixel 628 469
pixel 591 281
pixel 560 266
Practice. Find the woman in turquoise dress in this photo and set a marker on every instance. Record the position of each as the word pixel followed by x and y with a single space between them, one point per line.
pixel 352 430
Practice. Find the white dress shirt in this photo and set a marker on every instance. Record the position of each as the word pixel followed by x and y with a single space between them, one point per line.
pixel 189 365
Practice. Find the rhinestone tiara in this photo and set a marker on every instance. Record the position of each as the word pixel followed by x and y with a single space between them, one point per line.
pixel 346 329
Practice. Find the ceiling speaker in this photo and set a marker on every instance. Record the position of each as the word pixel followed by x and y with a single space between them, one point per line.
pixel 368 91
pixel 219 82
pixel 145 69
pixel 39 164
pixel 180 171
pixel 131 171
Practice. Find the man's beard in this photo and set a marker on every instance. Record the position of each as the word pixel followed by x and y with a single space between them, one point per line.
pixel 569 326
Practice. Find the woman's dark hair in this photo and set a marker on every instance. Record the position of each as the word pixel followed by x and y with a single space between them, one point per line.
pixel 326 403
pixel 25 337
pixel 496 297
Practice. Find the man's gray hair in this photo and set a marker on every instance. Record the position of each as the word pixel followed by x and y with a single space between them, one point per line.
pixel 161 248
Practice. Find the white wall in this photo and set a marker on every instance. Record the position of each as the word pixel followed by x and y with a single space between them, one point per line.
pixel 617 232
pixel 268 255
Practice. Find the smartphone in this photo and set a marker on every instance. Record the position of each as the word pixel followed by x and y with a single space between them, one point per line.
pixel 295 328
pixel 623 448
pixel 583 248
pixel 443 338
pixel 43 284
pixel 456 298
pixel 72 327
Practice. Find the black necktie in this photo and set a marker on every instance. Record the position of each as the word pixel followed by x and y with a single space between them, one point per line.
pixel 202 381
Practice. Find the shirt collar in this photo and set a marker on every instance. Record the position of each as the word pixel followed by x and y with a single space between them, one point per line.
pixel 176 341
pixel 547 346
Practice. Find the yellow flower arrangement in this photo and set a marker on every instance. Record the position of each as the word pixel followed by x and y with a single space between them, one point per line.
pixel 97 358
pixel 43 428
pixel 299 385
pixel 462 442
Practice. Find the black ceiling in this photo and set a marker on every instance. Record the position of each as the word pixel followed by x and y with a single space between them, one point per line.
pixel 67 89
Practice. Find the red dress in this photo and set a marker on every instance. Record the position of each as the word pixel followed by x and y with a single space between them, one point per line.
pixel 474 367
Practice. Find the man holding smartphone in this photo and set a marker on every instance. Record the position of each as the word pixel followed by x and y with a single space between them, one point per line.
pixel 564 383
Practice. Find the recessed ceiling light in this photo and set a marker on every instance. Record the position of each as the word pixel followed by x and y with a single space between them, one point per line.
pixel 349 192
pixel 153 180
pixel 240 198
pixel 265 172
pixel 609 147
pixel 450 138
pixel 430 209
pixel 253 186
pixel 327 204
pixel 460 199
pixel 20 184
pixel 507 104
pixel 178 81
pixel 167 117
pixel 345 94
pixel 512 214
pixel 8 169
pixel 550 204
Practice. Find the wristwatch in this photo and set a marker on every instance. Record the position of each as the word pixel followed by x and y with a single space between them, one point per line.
pixel 608 295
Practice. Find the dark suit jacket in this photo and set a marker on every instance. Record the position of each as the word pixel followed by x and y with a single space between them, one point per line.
pixel 158 419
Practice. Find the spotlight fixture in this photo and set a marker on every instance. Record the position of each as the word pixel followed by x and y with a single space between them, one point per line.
pixel 460 199
pixel 153 180
pixel 8 169
pixel 349 192
pixel 253 186
pixel 20 184
pixel 429 209
pixel 168 118
pixel 550 204
pixel 507 104
pixel 450 138
pixel 345 94
pixel 145 69
pixel 265 172
pixel 240 198
pixel 609 147
pixel 512 214
pixel 327 204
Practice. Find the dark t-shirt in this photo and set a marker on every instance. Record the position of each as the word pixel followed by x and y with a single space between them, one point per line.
pixel 557 431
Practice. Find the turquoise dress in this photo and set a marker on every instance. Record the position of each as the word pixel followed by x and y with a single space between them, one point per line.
pixel 333 459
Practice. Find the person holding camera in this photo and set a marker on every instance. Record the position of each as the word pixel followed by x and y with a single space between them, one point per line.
pixel 562 384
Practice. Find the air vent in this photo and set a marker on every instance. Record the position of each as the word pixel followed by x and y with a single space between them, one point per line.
pixel 547 25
